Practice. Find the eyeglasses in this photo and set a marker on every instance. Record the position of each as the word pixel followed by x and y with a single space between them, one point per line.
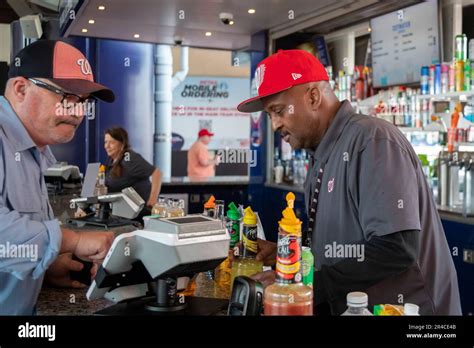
pixel 68 97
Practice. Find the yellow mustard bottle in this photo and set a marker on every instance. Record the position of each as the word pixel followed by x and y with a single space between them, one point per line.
pixel 246 264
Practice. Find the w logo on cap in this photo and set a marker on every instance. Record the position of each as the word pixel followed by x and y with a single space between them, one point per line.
pixel 259 75
pixel 85 66
pixel 295 76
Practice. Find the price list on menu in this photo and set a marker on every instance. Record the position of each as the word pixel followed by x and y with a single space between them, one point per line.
pixel 404 41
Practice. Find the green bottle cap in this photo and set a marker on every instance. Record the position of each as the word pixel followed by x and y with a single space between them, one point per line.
pixel 233 213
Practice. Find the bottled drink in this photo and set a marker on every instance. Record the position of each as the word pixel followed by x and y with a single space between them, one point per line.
pixel 160 209
pixel 425 73
pixel 308 266
pixel 461 47
pixel 444 78
pixel 210 207
pixel 233 227
pixel 288 295
pixel 100 188
pixel 467 75
pixel 357 303
pixel 246 264
pixel 219 210
pixel 437 81
pixel 459 75
pixel 278 172
pixel 224 270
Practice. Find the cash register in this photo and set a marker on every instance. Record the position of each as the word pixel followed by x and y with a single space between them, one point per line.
pixel 142 268
pixel 62 175
pixel 108 210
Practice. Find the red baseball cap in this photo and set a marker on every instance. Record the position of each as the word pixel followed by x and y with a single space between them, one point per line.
pixel 281 71
pixel 204 132
pixel 60 63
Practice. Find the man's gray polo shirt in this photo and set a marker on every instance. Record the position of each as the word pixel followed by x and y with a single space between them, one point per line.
pixel 373 185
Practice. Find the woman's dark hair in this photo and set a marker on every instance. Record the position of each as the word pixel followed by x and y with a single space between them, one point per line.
pixel 119 134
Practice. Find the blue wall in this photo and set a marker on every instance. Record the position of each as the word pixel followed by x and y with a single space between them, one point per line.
pixel 133 108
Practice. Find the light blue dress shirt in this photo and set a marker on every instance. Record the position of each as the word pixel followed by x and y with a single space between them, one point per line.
pixel 26 217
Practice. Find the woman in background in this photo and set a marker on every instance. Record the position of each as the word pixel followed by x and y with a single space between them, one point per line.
pixel 127 168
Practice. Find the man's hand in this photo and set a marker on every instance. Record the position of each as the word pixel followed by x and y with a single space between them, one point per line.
pixel 93 246
pixel 266 252
pixel 266 278
pixel 58 273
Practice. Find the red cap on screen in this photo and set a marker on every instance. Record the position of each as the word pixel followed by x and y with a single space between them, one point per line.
pixel 204 132
pixel 281 71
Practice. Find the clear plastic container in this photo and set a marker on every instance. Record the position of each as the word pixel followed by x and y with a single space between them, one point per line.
pixel 288 299
pixel 175 209
pixel 357 303
pixel 160 208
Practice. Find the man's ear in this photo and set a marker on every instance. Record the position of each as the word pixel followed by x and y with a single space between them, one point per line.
pixel 315 97
pixel 17 87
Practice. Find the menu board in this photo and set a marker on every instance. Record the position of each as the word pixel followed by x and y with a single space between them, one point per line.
pixel 402 42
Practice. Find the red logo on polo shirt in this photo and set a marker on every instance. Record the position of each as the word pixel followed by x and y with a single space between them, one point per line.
pixel 331 185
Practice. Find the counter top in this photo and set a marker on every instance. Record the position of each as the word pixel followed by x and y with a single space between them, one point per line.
pixel 216 180
pixel 286 187
pixel 455 217
pixel 55 301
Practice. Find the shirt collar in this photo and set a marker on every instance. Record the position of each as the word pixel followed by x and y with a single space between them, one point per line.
pixel 323 150
pixel 16 133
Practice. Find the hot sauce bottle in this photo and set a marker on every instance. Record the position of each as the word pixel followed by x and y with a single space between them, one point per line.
pixel 288 295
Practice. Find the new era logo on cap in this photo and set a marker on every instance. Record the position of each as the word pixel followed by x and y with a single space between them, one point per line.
pixel 296 76
pixel 259 73
pixel 282 71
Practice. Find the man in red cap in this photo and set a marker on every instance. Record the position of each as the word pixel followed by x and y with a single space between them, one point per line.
pixel 373 225
pixel 50 83
pixel 200 164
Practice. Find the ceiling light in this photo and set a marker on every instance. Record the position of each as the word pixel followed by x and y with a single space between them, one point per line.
pixel 231 23
pixel 84 30
pixel 91 21
pixel 208 33
pixel 101 8
pixel 251 10
pixel 136 36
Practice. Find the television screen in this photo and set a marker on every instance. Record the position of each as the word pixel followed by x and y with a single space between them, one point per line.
pixel 402 42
